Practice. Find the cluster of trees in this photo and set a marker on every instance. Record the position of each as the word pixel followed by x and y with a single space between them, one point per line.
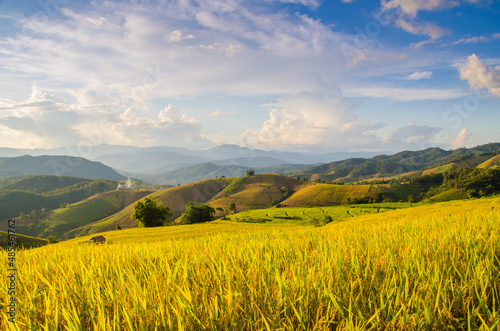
pixel 151 212
pixel 476 182
pixel 484 181
pixel 377 198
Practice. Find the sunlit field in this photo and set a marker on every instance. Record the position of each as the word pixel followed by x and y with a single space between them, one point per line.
pixel 429 267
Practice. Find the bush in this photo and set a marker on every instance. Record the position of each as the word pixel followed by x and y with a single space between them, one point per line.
pixel 150 213
pixel 197 214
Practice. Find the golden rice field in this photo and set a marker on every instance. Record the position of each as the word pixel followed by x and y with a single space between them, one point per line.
pixel 432 267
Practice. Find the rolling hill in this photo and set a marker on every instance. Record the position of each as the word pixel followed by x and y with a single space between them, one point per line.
pixel 329 194
pixel 493 162
pixel 22 241
pixel 56 165
pixel 432 159
pixel 175 198
pixel 61 221
pixel 37 194
pixel 248 193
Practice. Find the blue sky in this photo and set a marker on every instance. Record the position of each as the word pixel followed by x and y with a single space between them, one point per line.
pixel 300 75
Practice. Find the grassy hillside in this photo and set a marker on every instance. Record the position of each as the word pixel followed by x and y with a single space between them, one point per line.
pixel 248 193
pixel 22 241
pixel 39 183
pixel 36 194
pixel 254 192
pixel 330 194
pixel 433 267
pixel 493 162
pixel 61 221
pixel 175 198
pixel 312 215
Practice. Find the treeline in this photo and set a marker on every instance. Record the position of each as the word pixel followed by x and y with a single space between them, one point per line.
pixel 476 182
pixel 473 181
pixel 37 194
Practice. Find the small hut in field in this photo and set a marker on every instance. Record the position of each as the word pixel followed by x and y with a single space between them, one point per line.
pixel 98 240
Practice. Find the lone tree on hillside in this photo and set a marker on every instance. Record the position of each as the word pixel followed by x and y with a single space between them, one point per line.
pixel 250 172
pixel 197 214
pixel 150 213
pixel 230 208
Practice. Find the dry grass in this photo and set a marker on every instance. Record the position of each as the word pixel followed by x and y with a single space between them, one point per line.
pixel 432 267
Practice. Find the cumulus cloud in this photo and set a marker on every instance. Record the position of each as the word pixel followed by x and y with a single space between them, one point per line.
pixel 263 45
pixel 176 36
pixel 312 120
pixel 420 75
pixel 419 135
pixel 461 139
pixel 45 121
pixel 479 75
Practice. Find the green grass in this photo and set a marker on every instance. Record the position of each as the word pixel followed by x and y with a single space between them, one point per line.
pixel 22 241
pixel 61 221
pixel 403 191
pixel 493 162
pixel 306 216
pixel 234 186
pixel 449 195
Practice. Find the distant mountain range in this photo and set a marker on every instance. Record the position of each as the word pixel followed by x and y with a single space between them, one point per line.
pixel 56 165
pixel 174 165
pixel 356 169
pixel 157 160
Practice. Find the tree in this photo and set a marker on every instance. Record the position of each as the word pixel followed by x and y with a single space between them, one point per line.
pixel 231 207
pixel 118 227
pixel 52 239
pixel 250 172
pixel 197 214
pixel 151 212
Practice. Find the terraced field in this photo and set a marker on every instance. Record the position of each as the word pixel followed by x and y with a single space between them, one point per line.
pixel 432 267
pixel 331 194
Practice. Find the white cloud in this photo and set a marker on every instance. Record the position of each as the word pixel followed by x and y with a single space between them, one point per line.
pixel 471 40
pixel 461 139
pixel 479 75
pixel 412 7
pixel 404 94
pixel 230 49
pixel 176 36
pixel 46 121
pixel 312 120
pixel 110 47
pixel 218 113
pixel 420 75
pixel 413 134
pixel 308 3
pixel 96 21
pixel 424 28
pixel 358 56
